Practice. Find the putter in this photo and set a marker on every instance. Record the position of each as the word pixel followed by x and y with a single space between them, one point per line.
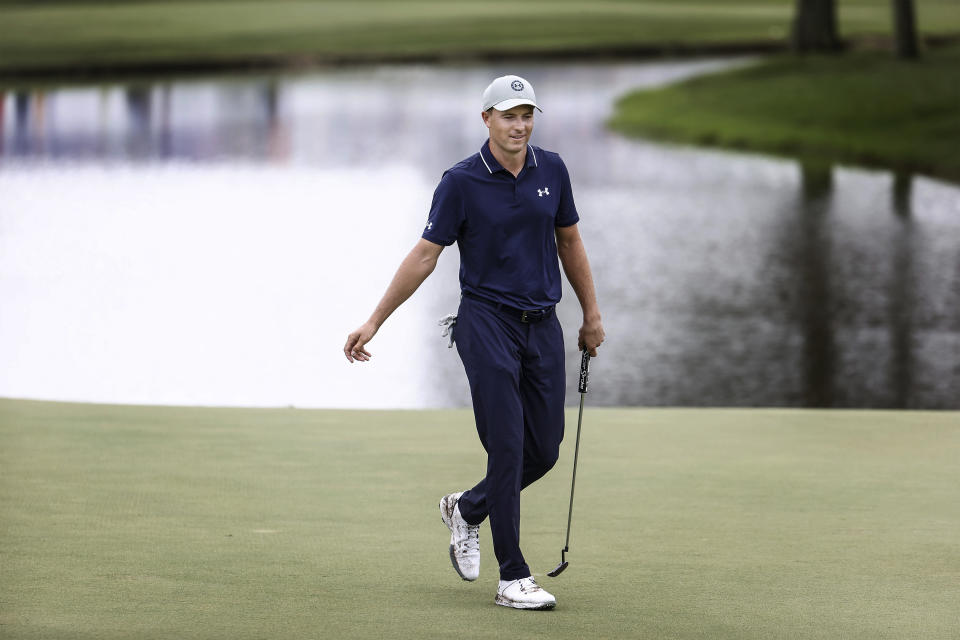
pixel 584 375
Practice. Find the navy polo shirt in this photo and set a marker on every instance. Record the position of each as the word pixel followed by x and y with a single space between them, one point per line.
pixel 504 225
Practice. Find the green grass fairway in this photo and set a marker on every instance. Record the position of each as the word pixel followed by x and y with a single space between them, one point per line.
pixel 866 108
pixel 146 522
pixel 91 35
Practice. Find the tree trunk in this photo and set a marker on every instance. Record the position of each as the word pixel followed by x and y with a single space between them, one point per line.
pixel 815 26
pixel 905 29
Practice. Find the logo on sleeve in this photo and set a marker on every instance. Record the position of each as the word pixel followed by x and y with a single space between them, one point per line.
pixel 543 192
pixel 429 226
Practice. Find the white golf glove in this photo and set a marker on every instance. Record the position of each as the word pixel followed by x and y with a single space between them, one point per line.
pixel 448 322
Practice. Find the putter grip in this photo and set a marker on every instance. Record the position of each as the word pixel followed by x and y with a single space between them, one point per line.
pixel 584 371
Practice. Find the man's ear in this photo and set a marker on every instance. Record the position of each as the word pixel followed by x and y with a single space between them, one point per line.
pixel 486 117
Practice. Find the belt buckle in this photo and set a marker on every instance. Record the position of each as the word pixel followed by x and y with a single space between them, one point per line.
pixel 533 315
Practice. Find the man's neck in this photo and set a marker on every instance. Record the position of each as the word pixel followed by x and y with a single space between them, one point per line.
pixel 512 162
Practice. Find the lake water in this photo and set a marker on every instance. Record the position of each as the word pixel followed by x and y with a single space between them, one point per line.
pixel 213 241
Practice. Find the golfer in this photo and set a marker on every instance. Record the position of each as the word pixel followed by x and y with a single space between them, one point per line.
pixel 510 208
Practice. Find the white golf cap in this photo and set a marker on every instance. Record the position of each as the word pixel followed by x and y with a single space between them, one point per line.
pixel 507 92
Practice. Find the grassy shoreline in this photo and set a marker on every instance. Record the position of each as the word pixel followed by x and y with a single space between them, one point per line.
pixel 91 37
pixel 865 109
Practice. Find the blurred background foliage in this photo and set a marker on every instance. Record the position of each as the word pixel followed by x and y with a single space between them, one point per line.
pixel 72 35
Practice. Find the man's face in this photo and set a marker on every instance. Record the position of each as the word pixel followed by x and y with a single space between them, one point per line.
pixel 510 130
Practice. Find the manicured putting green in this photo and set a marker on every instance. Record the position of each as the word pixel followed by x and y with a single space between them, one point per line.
pixel 147 522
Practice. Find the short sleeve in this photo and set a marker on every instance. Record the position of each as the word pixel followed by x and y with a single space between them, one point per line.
pixel 447 213
pixel 567 210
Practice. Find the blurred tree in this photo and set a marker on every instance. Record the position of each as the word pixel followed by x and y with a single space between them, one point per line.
pixel 905 29
pixel 815 26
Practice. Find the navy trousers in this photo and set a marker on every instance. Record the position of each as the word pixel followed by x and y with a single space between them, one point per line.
pixel 517 381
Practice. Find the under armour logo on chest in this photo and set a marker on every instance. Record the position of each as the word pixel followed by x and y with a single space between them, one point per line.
pixel 543 192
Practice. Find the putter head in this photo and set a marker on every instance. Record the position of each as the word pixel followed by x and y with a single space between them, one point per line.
pixel 560 567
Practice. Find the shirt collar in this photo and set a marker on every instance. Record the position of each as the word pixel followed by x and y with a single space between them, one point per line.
pixel 493 166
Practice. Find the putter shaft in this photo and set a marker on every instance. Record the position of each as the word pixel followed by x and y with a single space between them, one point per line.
pixel 584 375
pixel 573 482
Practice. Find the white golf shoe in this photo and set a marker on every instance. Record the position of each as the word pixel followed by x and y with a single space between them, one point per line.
pixel 464 538
pixel 524 593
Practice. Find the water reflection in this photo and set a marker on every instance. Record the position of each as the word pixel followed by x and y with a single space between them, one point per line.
pixel 814 301
pixel 212 242
pixel 141 122
pixel 901 301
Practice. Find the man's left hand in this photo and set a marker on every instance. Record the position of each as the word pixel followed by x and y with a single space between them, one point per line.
pixel 591 336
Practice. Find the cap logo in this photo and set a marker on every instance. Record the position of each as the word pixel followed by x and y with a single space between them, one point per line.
pixel 516 85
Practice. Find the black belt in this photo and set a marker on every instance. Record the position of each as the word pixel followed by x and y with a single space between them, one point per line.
pixel 523 315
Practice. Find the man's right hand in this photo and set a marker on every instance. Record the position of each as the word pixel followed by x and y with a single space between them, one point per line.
pixel 414 269
pixel 354 349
